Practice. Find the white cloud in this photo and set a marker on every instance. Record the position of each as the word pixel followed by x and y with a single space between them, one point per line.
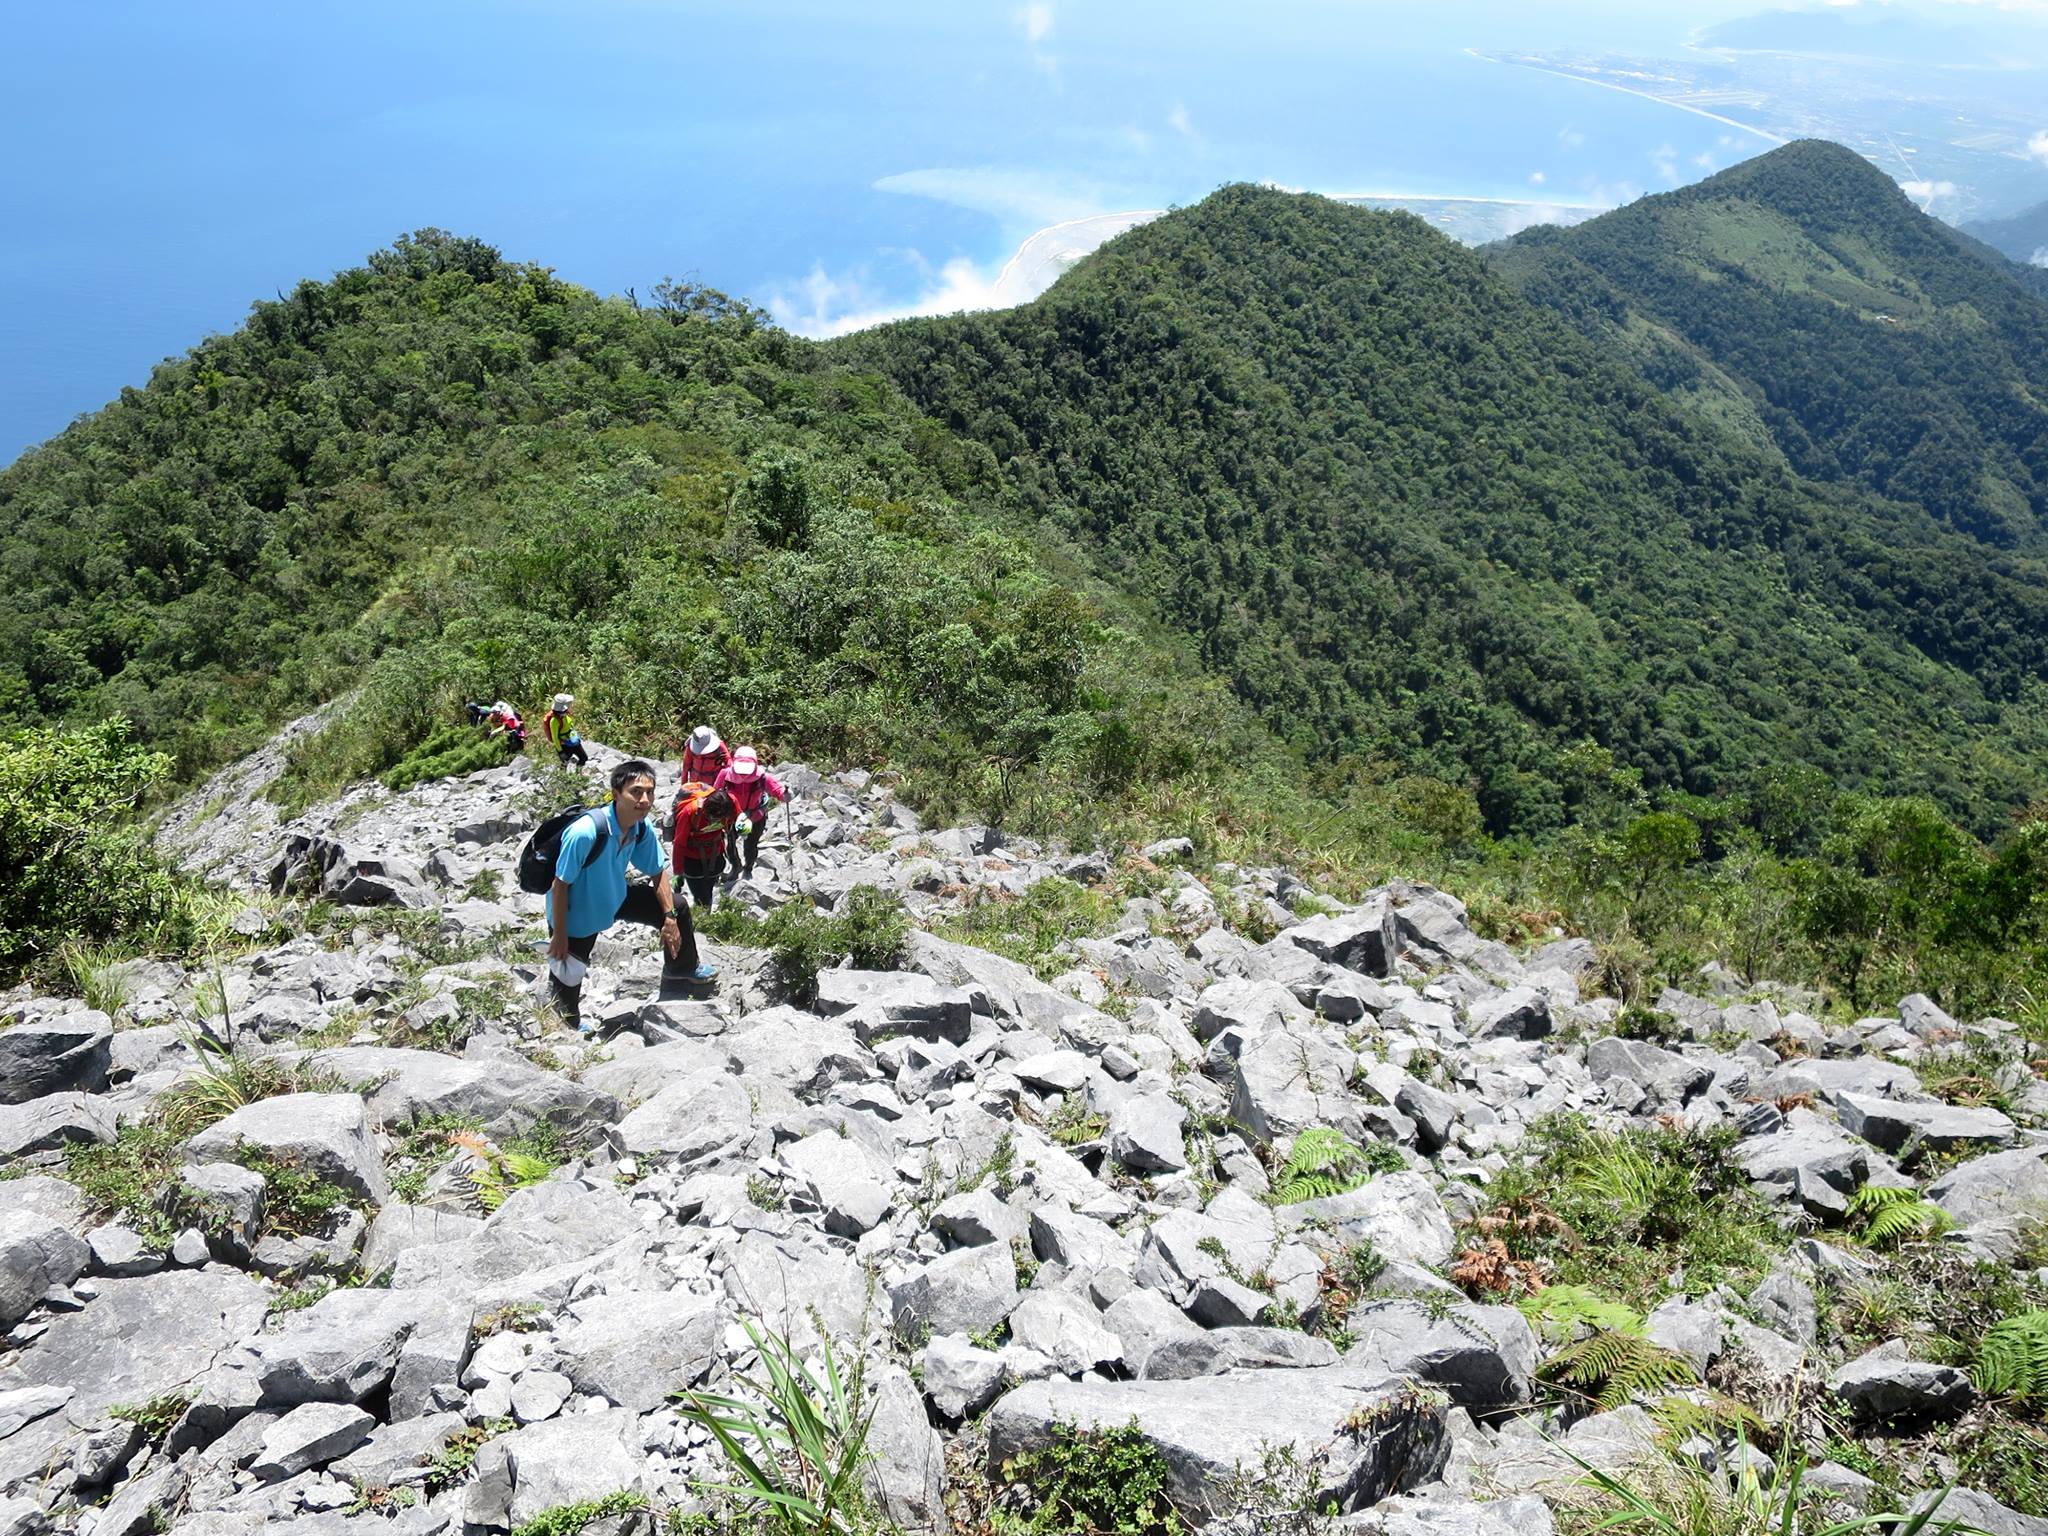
pixel 1014 196
pixel 2037 147
pixel 1179 121
pixel 1570 138
pixel 2039 258
pixel 1035 21
pixel 1705 160
pixel 1665 159
pixel 823 305
pixel 1925 192
pixel 1537 178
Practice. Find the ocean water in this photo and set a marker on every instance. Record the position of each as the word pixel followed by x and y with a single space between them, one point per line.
pixel 168 165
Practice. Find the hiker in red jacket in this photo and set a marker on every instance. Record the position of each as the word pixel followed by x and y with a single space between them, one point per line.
pixel 703 816
pixel 752 787
pixel 705 757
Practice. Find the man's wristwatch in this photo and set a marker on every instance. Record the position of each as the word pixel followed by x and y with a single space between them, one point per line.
pixel 669 916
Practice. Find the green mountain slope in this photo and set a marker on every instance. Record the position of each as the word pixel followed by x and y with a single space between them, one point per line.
pixel 1409 514
pixel 445 476
pixel 1803 296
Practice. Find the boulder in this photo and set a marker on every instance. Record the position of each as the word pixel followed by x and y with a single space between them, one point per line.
pixel 1484 1357
pixel 1286 1081
pixel 1362 1435
pixel 1398 1213
pixel 1665 1076
pixel 2001 1186
pixel 692 1118
pixel 310 1436
pixel 798 1051
pixel 36 1253
pixel 884 1003
pixel 44 1128
pixel 325 1134
pixel 1901 1128
pixel 1881 1388
pixel 1520 1013
pixel 1250 1007
pixel 1974 1511
pixel 1145 1134
pixel 851 1188
pixel 506 1096
pixel 1360 940
pixel 575 1459
pixel 636 1347
pixel 969 1290
pixel 906 1466
pixel 1810 1160
pixel 67 1053
pixel 959 1378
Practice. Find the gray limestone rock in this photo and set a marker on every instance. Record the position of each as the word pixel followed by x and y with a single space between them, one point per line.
pixel 884 1003
pixel 569 1460
pixel 1400 1214
pixel 1484 1357
pixel 969 1290
pixel 1520 1013
pixel 310 1436
pixel 848 1184
pixel 1285 1082
pixel 41 1130
pixel 64 1054
pixel 906 1470
pixel 1360 940
pixel 1783 1302
pixel 36 1252
pixel 1362 1434
pixel 1899 1128
pixel 692 1118
pixel 326 1134
pixel 1665 1076
pixel 636 1348
pixel 2000 1186
pixel 798 1051
pixel 1971 1510
pixel 1250 1007
pixel 1145 1134
pixel 959 1378
pixel 1880 1388
pixel 507 1096
pixel 1810 1160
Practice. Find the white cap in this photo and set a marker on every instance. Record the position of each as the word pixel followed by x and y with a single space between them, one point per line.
pixel 704 740
pixel 564 700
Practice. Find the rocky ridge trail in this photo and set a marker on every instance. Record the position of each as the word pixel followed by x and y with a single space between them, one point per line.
pixel 1027 1203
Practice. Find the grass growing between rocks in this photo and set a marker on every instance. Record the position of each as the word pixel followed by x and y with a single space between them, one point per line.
pixel 224 1081
pixel 868 930
pixel 1624 1214
pixel 1678 1498
pixel 568 1519
pixel 1031 928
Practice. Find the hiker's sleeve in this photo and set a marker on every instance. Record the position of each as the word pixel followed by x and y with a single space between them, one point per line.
pixel 576 842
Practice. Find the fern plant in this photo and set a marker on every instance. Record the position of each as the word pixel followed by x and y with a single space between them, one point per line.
pixel 1612 1367
pixel 1323 1162
pixel 2012 1357
pixel 1884 1217
pixel 499 1173
pixel 1558 1312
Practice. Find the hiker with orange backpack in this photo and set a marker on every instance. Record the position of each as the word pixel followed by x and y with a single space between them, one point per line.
pixel 752 787
pixel 703 816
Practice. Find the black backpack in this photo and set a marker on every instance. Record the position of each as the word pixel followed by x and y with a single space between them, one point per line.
pixel 537 859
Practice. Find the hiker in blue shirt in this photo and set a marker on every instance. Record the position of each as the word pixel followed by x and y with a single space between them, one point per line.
pixel 589 894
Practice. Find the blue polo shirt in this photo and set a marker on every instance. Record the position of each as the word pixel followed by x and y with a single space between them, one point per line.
pixel 596 893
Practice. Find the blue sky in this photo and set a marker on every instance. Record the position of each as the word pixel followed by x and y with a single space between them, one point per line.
pixel 170 164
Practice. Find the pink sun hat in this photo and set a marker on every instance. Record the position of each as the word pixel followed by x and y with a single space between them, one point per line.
pixel 745 763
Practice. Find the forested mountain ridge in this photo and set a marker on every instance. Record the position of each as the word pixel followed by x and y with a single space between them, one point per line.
pixel 1409 513
pixel 445 475
pixel 1802 296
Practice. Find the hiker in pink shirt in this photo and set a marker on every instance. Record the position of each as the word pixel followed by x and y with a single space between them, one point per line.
pixel 751 787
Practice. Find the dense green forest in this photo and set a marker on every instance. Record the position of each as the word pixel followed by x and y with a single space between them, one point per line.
pixel 446 475
pixel 1410 515
pixel 1870 341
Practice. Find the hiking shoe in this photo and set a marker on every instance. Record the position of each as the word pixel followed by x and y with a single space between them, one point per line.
pixel 704 973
